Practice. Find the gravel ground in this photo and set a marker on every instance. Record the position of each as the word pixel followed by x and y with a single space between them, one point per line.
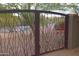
pixel 64 52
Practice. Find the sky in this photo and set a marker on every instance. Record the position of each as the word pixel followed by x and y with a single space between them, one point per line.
pixel 39 1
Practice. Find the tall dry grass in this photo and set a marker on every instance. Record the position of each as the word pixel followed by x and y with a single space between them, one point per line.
pixel 51 39
pixel 17 43
pixel 22 43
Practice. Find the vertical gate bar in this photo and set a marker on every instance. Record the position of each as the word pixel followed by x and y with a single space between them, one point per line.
pixel 37 33
pixel 66 30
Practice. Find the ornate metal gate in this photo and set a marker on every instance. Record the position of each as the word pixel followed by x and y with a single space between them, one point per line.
pixel 32 32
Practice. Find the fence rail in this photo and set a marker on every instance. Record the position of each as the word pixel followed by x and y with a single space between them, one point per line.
pixel 40 11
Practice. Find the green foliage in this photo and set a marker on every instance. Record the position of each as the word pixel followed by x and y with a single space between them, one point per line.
pixel 28 18
pixel 44 21
pixel 8 20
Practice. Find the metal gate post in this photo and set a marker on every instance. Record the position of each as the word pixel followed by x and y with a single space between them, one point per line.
pixel 66 30
pixel 37 33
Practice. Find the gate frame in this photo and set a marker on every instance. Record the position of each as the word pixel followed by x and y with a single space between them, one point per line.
pixel 37 25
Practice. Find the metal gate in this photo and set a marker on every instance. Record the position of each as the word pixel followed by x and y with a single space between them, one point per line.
pixel 52 32
pixel 32 32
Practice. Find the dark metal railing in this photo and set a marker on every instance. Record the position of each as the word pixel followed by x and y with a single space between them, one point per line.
pixel 40 11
